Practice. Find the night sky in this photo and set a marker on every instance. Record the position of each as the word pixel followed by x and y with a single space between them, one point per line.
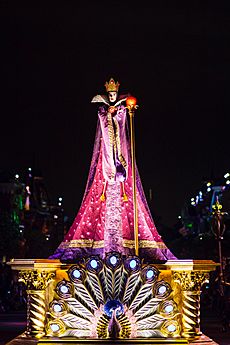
pixel 55 56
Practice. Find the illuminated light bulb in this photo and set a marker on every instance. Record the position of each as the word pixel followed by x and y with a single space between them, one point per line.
pixel 179 217
pixel 168 309
pixel 59 204
pixel 55 216
pixel 192 199
pixel 113 260
pixel 93 263
pixel 60 199
pixel 209 189
pixel 133 263
pixel 29 169
pixel 76 274
pixel 208 184
pixel 54 327
pixel 162 289
pixel 150 274
pixel 64 289
pixel 17 176
pixel 226 175
pixel 57 308
pixel 171 328
pixel 228 182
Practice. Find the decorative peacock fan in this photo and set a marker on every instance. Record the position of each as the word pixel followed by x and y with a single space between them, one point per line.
pixel 117 297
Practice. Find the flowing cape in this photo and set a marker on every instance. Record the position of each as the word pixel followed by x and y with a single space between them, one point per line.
pixel 104 225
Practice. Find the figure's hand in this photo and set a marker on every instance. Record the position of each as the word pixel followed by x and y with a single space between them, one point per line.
pixel 112 109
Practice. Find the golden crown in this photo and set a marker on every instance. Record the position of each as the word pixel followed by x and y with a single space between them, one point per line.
pixel 111 85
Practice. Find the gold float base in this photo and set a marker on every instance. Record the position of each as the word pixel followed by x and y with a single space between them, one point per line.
pixel 25 340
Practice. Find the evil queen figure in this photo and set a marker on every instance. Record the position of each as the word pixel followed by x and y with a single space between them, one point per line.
pixel 105 221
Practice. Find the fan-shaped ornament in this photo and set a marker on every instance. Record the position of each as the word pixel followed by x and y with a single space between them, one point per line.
pixel 117 297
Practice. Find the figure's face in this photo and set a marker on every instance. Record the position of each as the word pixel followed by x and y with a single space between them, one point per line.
pixel 112 96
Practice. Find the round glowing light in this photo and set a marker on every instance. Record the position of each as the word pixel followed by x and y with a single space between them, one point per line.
pixel 93 263
pixel 113 260
pixel 168 309
pixel 131 101
pixel 171 328
pixel 29 169
pixel 57 308
pixel 209 189
pixel 60 199
pixel 228 182
pixel 16 176
pixel 55 327
pixel 76 274
pixel 149 274
pixel 226 175
pixel 208 184
pixel 133 263
pixel 162 289
pixel 64 289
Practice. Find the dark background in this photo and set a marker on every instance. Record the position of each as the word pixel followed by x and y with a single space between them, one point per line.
pixel 55 56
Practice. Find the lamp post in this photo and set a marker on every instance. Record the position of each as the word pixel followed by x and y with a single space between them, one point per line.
pixel 131 106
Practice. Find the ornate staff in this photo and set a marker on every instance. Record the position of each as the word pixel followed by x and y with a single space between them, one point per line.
pixel 131 106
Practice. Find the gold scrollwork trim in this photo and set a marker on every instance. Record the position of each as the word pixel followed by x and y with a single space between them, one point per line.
pixel 191 281
pixel 36 280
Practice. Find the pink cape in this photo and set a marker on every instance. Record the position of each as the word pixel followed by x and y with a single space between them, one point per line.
pixel 102 226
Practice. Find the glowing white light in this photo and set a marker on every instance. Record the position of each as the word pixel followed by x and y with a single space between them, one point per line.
pixel 113 260
pixel 55 327
pixel 179 217
pixel 162 289
pixel 133 263
pixel 57 308
pixel 150 274
pixel 192 199
pixel 171 328
pixel 193 203
pixel 16 176
pixel 55 216
pixel 60 199
pixel 59 204
pixel 29 169
pixel 93 263
pixel 209 189
pixel 208 184
pixel 168 308
pixel 76 273
pixel 64 289
pixel 228 182
pixel 226 175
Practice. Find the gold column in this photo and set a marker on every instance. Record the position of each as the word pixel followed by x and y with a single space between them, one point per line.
pixel 191 283
pixel 36 283
pixel 36 274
